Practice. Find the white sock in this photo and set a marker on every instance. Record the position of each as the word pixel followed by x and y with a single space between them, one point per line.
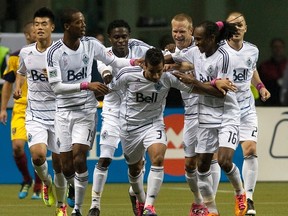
pixel 234 177
pixel 99 180
pixel 42 172
pixel 155 179
pixel 137 186
pixel 250 174
pixel 60 188
pixel 205 187
pixel 216 175
pixel 81 182
pixel 192 180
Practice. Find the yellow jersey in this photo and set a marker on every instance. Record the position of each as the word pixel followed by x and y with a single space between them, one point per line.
pixel 10 76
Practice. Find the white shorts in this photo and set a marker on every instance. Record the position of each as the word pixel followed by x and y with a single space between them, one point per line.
pixel 41 133
pixel 135 144
pixel 210 139
pixel 110 134
pixel 190 137
pixel 248 129
pixel 75 127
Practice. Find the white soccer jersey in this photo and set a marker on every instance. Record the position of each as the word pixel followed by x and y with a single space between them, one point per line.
pixel 74 66
pixel 213 111
pixel 190 100
pixel 41 98
pixel 144 100
pixel 244 65
pixel 137 49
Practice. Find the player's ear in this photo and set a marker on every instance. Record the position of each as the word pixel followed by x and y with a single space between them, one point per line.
pixel 66 26
pixel 52 27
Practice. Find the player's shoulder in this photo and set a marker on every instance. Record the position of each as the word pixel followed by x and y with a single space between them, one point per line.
pixel 28 48
pixel 250 46
pixel 89 39
pixel 129 71
pixel 56 44
pixel 135 42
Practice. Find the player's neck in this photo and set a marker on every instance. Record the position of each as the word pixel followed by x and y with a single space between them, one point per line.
pixel 71 42
pixel 42 45
pixel 236 45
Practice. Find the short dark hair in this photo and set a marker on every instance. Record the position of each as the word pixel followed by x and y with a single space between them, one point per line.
pixel 45 12
pixel 66 15
pixel 118 24
pixel 154 56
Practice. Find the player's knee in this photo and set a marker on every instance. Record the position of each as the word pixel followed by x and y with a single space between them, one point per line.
pixel 251 156
pixel 225 164
pixel 249 151
pixel 190 164
pixel 158 160
pixel 38 160
pixel 104 163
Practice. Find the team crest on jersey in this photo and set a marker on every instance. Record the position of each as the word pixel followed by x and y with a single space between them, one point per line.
pixel 53 73
pixel 13 131
pixel 158 85
pixel 104 135
pixel 210 69
pixel 29 137
pixel 85 59
pixel 249 62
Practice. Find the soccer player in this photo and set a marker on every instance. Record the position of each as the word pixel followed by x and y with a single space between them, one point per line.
pixel 18 130
pixel 182 29
pixel 69 62
pixel 219 118
pixel 123 47
pixel 40 110
pixel 245 56
pixel 141 122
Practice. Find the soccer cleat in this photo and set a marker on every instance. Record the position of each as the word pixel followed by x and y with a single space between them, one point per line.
pixel 71 196
pixel 133 203
pixel 250 209
pixel 24 189
pixel 94 212
pixel 198 210
pixel 36 195
pixel 149 211
pixel 240 205
pixel 140 208
pixel 47 194
pixel 76 212
pixel 61 211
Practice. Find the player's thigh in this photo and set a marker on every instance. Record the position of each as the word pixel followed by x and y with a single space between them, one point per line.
pixel 207 140
pixel 248 129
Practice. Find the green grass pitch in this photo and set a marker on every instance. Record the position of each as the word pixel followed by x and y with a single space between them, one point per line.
pixel 174 199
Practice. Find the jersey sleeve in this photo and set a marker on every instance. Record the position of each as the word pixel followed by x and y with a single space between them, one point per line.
pixel 22 67
pixel 176 83
pixel 52 66
pixel 120 80
pixel 107 57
